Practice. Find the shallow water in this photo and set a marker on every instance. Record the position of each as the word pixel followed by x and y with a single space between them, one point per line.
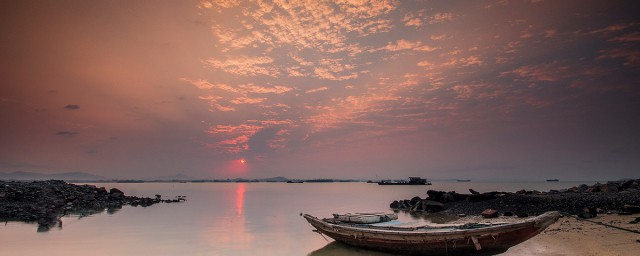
pixel 226 219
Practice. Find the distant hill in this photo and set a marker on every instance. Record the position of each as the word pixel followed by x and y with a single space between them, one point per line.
pixel 67 176
pixel 275 179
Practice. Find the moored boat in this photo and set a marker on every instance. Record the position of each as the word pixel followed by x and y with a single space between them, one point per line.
pixel 434 240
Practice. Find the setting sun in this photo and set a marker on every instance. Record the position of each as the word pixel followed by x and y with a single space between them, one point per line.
pixel 242 161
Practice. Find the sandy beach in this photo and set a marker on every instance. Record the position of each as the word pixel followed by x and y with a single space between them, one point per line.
pixel 570 236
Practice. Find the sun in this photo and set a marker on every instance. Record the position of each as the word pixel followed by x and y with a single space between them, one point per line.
pixel 242 161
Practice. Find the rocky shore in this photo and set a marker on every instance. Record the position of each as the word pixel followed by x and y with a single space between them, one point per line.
pixel 622 197
pixel 45 202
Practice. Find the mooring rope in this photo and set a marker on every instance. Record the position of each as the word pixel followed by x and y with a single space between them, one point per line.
pixel 607 225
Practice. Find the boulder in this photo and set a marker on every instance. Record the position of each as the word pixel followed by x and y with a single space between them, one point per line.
pixel 631 208
pixel 588 213
pixel 415 200
pixel 489 213
pixel 481 197
pixel 116 193
pixel 437 196
pixel 432 206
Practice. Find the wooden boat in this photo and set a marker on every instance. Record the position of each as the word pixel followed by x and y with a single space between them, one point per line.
pixel 434 240
pixel 365 218
pixel 412 181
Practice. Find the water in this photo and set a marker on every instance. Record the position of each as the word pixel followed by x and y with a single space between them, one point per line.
pixel 226 219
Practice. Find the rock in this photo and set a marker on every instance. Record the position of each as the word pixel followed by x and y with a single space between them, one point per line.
pixel 635 221
pixel 44 202
pixel 631 208
pixel 508 214
pixel 415 200
pixel 432 206
pixel 481 197
pixel 473 192
pixel 627 184
pixel 116 193
pixel 588 213
pixel 489 213
pixel 437 196
pixel 522 214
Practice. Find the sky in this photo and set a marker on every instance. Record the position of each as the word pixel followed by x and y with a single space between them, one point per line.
pixel 321 89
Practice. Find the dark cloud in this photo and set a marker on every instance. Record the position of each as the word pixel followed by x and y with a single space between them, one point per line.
pixel 67 133
pixel 72 106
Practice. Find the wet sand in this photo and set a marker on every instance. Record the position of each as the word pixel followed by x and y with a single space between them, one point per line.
pixel 570 236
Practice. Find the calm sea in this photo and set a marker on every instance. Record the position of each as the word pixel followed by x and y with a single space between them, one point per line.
pixel 226 219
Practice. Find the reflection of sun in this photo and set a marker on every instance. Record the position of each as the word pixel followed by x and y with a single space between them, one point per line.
pixel 242 161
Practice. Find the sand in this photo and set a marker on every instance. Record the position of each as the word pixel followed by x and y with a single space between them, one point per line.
pixel 570 236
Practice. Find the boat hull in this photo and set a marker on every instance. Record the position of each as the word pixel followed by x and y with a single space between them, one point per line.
pixel 490 239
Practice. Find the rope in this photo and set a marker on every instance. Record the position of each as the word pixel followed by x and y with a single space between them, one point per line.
pixel 607 225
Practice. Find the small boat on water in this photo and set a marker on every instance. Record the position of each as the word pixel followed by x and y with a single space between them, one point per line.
pixel 434 240
pixel 467 180
pixel 411 181
pixel 553 180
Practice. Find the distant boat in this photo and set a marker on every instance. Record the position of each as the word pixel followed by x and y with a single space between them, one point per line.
pixel 457 239
pixel 295 181
pixel 411 181
pixel 463 180
pixel 552 180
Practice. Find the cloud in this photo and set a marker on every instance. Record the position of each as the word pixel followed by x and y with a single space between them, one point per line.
pixel 72 107
pixel 278 89
pixel 67 133
pixel 319 89
pixel 245 65
pixel 403 44
pixel 630 55
pixel 550 72
pixel 441 17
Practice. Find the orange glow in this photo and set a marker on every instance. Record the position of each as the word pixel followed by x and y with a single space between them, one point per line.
pixel 242 161
pixel 240 198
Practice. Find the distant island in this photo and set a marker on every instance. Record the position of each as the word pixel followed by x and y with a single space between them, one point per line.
pixel 87 177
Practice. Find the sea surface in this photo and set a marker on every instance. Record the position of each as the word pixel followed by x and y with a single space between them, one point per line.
pixel 228 219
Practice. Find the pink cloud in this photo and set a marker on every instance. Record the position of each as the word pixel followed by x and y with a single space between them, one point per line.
pixel 319 89
pixel 245 65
